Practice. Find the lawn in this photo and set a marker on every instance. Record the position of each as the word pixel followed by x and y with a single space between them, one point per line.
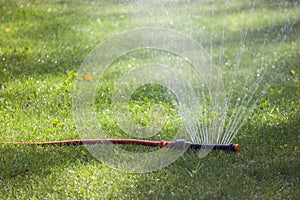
pixel 43 44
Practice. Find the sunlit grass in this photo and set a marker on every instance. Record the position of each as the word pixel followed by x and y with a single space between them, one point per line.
pixel 42 45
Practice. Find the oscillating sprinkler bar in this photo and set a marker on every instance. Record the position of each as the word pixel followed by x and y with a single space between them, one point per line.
pixel 225 147
pixel 195 146
pixel 178 144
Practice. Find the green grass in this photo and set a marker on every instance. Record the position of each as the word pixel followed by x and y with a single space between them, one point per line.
pixel 42 45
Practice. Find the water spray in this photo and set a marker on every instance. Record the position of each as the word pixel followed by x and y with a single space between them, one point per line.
pixel 178 144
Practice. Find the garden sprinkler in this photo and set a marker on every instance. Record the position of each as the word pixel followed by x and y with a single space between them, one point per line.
pixel 178 144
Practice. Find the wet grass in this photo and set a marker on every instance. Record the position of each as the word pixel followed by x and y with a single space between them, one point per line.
pixel 42 45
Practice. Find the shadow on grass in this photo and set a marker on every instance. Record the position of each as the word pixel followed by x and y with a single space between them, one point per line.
pixel 267 163
pixel 18 161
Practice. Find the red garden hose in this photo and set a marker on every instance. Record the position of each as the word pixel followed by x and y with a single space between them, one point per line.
pixel 181 144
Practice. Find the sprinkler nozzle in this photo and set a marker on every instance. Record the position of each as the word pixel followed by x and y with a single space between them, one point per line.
pixel 236 147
